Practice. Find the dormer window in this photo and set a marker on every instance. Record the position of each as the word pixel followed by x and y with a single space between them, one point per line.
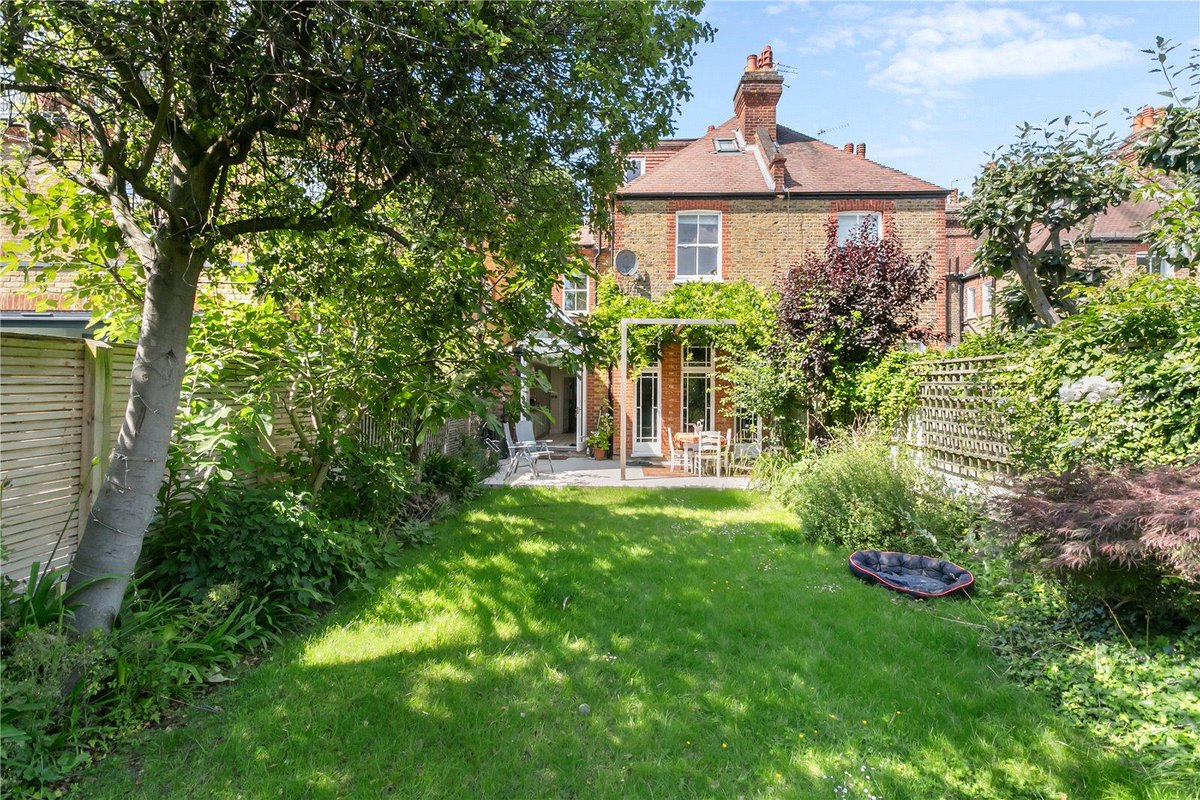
pixel 634 169
pixel 726 145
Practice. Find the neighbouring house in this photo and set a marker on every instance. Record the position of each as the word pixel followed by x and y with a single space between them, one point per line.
pixel 1113 241
pixel 745 200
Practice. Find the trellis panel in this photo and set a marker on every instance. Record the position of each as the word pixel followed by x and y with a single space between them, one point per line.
pixel 955 427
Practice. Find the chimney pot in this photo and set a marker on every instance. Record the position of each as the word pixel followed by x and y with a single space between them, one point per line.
pixel 849 147
pixel 1145 119
pixel 751 63
pixel 953 196
pixel 767 59
pixel 862 149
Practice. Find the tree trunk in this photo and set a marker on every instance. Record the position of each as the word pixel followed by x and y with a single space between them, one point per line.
pixel 1035 291
pixel 128 497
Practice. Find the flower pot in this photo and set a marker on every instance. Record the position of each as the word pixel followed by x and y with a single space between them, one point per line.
pixel 599 453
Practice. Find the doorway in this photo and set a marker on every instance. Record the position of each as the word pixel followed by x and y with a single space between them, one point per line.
pixel 647 394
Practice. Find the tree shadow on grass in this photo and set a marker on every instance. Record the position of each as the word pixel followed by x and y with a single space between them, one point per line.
pixel 715 661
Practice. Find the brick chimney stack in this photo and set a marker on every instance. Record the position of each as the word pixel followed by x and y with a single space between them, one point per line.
pixel 757 94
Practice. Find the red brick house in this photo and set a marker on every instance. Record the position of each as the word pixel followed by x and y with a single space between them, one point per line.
pixel 747 198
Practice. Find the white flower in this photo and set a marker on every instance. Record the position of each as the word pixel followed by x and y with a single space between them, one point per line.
pixel 1092 388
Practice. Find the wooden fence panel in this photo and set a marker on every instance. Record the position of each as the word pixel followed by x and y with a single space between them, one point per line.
pixel 955 427
pixel 43 389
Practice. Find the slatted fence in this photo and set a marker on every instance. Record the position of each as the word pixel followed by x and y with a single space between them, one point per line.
pixel 956 427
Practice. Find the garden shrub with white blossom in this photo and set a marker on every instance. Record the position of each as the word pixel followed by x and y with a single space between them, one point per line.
pixel 1118 383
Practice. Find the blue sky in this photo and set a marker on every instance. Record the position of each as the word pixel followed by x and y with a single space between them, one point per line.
pixel 932 88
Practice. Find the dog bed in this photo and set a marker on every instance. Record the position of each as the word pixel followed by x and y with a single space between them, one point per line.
pixel 915 576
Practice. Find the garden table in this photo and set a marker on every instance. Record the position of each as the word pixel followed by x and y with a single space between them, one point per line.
pixel 691 441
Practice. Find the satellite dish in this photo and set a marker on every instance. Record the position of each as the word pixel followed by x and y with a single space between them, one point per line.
pixel 627 262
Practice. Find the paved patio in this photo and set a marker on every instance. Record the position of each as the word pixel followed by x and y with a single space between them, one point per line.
pixel 579 471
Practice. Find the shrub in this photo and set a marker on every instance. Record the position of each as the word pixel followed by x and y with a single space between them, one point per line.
pixel 1126 537
pixel 375 485
pixel 451 476
pixel 1141 339
pixel 859 494
pixel 887 391
pixel 265 540
pixel 1134 691
pixel 65 698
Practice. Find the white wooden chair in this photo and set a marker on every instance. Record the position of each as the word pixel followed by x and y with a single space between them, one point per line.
pixel 678 453
pixel 709 449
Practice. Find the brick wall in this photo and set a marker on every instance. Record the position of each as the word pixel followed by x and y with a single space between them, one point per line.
pixel 761 236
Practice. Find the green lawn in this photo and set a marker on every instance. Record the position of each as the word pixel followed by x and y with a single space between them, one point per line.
pixel 716 661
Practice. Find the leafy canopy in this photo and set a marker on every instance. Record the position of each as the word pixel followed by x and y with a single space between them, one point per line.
pixel 1033 197
pixel 1170 156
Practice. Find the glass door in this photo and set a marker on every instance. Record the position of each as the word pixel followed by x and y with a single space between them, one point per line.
pixel 647 393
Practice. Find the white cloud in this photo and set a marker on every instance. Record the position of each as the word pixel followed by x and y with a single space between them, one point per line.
pixel 785 6
pixel 934 53
pixel 918 124
pixel 939 70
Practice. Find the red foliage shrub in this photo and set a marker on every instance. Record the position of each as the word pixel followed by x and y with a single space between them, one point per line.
pixel 854 302
pixel 1144 523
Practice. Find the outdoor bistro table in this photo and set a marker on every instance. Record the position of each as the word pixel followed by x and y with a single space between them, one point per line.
pixel 691 441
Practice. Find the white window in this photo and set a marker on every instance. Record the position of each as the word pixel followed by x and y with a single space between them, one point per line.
pixel 989 299
pixel 697 385
pixel 575 294
pixel 634 169
pixel 726 145
pixel 849 223
pixel 969 303
pixel 698 246
pixel 1155 265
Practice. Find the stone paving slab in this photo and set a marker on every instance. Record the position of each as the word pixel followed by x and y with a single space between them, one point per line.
pixel 578 471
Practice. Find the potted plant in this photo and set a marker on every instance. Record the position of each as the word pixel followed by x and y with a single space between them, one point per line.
pixel 600 439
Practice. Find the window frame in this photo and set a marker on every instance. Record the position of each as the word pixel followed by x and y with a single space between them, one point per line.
pixel 841 241
pixel 641 162
pixel 969 297
pixel 717 140
pixel 574 291
pixel 989 298
pixel 719 246
pixel 1149 263
pixel 705 371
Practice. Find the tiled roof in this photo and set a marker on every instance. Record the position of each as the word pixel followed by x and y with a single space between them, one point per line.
pixel 1126 221
pixel 697 169
pixel 812 167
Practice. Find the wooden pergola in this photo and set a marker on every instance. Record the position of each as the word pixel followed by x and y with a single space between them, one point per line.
pixel 625 323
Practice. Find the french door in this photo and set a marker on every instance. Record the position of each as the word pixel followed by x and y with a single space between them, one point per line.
pixel 647 409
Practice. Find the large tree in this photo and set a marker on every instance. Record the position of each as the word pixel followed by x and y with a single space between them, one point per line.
pixel 1034 197
pixel 200 124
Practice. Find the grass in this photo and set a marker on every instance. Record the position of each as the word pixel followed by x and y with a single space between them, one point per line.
pixel 716 662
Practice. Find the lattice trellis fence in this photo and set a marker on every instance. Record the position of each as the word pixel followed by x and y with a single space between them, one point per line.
pixel 955 427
